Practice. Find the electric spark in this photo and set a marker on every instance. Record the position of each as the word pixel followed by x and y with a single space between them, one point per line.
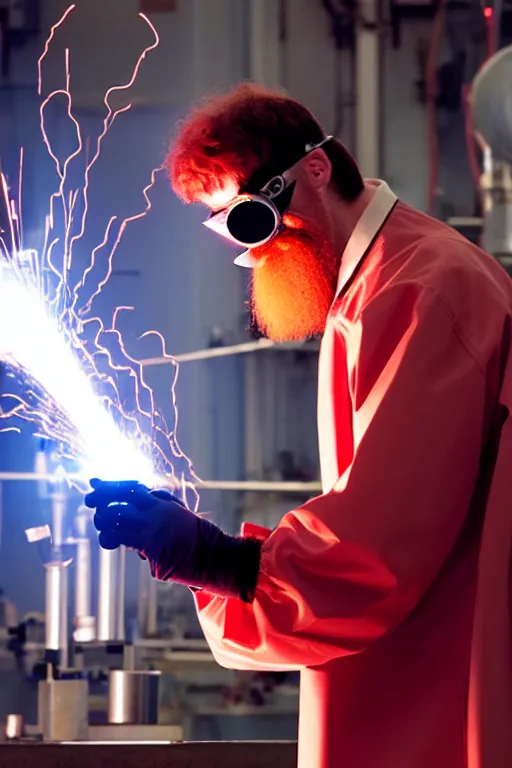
pixel 58 350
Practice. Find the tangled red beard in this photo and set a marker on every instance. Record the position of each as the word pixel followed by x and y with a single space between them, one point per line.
pixel 292 291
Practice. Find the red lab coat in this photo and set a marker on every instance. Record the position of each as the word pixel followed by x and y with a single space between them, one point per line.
pixel 370 588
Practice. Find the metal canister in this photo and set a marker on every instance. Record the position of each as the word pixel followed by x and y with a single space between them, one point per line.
pixel 63 710
pixel 133 696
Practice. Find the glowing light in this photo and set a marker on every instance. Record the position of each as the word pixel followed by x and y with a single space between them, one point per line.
pixel 487 12
pixel 32 341
pixel 62 354
pixel 221 197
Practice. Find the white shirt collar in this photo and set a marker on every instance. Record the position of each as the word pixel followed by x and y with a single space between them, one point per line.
pixel 370 223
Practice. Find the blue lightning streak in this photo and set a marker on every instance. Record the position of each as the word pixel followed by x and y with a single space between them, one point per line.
pixel 68 395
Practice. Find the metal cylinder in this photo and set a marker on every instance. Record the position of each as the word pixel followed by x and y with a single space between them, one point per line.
pixel 59 502
pixel 84 621
pixel 110 625
pixel 14 727
pixel 133 696
pixel 120 594
pixel 64 619
pixel 83 578
pixel 142 598
pixel 147 602
pixel 152 615
pixel 63 710
pixel 368 38
pixel 56 610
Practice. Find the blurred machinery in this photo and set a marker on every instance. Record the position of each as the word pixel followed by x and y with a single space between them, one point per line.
pixel 491 106
pixel 93 670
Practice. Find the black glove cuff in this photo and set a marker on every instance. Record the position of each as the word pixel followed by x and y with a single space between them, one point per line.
pixel 241 558
pixel 230 568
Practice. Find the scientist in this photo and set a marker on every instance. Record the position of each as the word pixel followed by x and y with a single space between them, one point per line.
pixel 390 590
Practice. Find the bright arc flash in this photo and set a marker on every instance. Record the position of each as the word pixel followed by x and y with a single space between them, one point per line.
pixel 72 398
pixel 31 340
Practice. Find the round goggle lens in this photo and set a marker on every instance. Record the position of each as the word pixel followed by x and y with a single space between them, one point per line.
pixel 251 222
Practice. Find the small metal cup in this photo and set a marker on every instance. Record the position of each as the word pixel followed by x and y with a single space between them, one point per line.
pixel 14 727
pixel 133 696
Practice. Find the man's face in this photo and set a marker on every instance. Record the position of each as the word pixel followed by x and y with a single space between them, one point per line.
pixel 293 289
pixel 294 282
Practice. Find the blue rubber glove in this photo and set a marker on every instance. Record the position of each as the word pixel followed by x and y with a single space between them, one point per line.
pixel 179 545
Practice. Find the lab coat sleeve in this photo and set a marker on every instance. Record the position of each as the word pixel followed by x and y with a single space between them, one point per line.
pixel 347 567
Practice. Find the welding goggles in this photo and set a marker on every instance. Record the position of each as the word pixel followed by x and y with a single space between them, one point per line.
pixel 251 220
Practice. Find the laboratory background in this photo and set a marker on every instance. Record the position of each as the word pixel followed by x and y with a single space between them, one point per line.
pixel 421 94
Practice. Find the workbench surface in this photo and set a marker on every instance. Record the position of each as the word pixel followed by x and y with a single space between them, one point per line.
pixel 216 754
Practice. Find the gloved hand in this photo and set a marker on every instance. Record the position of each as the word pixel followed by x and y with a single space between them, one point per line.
pixel 179 545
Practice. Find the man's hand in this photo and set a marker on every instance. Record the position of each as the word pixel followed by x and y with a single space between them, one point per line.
pixel 128 513
pixel 154 523
pixel 179 545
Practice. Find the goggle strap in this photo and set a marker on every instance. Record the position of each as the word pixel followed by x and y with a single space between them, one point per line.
pixel 311 147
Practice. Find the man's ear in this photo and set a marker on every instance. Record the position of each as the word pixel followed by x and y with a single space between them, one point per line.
pixel 318 167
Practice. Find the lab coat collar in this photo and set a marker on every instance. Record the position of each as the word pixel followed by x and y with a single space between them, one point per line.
pixel 370 223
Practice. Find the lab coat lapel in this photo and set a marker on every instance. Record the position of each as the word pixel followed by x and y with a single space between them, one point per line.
pixel 490 692
pixel 365 231
pixel 370 223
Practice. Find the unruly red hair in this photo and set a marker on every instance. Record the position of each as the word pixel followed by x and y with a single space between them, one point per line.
pixel 249 130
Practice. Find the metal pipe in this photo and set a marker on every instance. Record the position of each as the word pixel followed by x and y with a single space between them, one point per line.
pixel 147 602
pixel 204 354
pixel 1 513
pixel 213 485
pixel 234 349
pixel 142 598
pixel 368 123
pixel 56 619
pixel 64 639
pixel 53 575
pixel 110 624
pixel 253 447
pixel 152 615
pixel 84 621
pixel 121 584
pixel 261 486
pixel 264 42
pixel 58 515
pixel 107 616
pixel 82 581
